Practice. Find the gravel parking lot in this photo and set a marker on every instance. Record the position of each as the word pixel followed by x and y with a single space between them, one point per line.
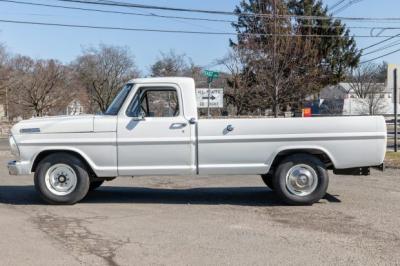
pixel 201 220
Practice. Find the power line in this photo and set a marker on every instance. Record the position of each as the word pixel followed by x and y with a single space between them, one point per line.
pixel 336 4
pixel 350 3
pixel 116 12
pixel 380 42
pixel 217 12
pixel 179 31
pixel 113 28
pixel 347 27
pixel 361 19
pixel 395 43
pixel 379 57
pixel 179 17
pixel 122 4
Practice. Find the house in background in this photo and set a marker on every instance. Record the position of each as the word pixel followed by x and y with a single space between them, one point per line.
pixel 75 107
pixel 344 99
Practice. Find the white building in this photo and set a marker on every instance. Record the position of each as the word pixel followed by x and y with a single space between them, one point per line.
pixel 75 108
pixel 343 98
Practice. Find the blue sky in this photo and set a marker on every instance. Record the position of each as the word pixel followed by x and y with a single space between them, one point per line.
pixel 65 44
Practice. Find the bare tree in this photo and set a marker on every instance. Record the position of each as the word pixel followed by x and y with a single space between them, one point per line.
pixel 280 79
pixel 103 71
pixel 3 58
pixel 80 93
pixel 196 72
pixel 364 83
pixel 38 87
pixel 241 92
pixel 170 64
pixel 5 71
pixel 286 67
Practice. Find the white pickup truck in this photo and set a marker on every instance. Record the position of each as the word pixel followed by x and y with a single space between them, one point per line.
pixel 152 128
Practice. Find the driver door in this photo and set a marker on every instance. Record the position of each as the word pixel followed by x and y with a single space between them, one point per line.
pixel 153 136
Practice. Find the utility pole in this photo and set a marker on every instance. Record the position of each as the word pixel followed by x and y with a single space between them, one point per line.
pixel 7 116
pixel 395 108
pixel 274 63
pixel 209 96
pixel 211 75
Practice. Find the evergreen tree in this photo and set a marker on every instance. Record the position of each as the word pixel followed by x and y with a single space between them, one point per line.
pixel 339 53
pixel 289 62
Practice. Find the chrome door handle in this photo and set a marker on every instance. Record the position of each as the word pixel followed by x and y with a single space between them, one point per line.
pixel 178 125
pixel 230 128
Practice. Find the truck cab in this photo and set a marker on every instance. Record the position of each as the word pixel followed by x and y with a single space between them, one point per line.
pixel 157 120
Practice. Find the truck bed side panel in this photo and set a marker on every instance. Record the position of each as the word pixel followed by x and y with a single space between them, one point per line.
pixel 253 143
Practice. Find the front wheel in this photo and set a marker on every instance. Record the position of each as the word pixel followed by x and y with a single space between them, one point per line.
pixel 61 178
pixel 301 179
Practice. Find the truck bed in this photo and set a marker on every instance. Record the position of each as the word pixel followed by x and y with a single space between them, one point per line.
pixel 253 143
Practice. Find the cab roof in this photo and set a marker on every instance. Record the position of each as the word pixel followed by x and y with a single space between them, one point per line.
pixel 176 80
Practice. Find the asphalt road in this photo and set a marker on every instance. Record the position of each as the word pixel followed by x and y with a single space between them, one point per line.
pixel 232 220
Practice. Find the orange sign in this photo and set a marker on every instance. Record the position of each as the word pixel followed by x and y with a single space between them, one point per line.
pixel 307 112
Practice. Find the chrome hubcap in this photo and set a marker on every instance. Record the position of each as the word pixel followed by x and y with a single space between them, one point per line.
pixel 301 180
pixel 61 179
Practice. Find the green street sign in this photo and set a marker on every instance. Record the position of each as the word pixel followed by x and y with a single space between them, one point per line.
pixel 211 74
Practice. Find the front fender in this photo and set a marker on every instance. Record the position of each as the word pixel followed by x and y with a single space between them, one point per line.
pixel 98 170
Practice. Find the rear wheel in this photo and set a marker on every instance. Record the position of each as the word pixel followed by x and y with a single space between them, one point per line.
pixel 301 179
pixel 61 178
pixel 268 180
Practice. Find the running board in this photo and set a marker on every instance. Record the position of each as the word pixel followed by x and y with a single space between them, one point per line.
pixel 353 171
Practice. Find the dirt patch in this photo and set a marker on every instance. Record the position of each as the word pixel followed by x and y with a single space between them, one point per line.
pixel 333 222
pixel 392 160
pixel 74 234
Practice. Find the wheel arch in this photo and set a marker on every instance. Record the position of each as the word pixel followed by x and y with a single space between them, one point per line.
pixel 319 152
pixel 78 154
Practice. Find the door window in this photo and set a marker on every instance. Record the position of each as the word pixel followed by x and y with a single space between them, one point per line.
pixel 154 102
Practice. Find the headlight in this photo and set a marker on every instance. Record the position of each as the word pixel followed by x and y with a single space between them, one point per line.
pixel 13 146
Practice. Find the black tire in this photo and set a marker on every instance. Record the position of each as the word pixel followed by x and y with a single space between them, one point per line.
pixel 281 188
pixel 95 184
pixel 268 180
pixel 79 169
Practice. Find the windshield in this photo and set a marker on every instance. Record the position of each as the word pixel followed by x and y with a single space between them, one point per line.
pixel 116 104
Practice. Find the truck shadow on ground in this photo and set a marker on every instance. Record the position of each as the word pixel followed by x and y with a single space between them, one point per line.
pixel 241 196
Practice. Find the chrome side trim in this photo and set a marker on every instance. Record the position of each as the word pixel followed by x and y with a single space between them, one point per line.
pixel 292 137
pixel 71 141
pixel 29 130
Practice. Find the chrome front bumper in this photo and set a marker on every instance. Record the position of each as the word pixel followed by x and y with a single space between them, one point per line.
pixel 18 168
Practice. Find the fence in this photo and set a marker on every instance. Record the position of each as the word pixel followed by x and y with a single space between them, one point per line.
pixel 390 131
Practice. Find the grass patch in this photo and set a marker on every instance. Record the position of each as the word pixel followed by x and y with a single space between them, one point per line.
pixel 392 159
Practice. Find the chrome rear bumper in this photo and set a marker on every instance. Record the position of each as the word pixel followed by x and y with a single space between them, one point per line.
pixel 18 168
